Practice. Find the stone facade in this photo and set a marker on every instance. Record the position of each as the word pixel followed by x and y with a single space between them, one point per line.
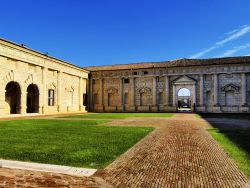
pixel 215 85
pixel 32 82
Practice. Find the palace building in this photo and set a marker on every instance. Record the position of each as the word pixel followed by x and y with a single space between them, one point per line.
pixel 32 82
pixel 219 85
pixel 35 83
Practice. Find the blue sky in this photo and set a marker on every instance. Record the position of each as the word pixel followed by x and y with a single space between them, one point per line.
pixel 101 32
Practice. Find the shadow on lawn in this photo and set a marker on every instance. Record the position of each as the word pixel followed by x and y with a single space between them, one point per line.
pixel 236 127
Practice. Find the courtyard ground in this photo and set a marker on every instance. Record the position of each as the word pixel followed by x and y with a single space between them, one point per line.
pixel 178 153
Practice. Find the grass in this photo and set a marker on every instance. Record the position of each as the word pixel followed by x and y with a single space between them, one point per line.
pixel 233 143
pixel 119 115
pixel 84 143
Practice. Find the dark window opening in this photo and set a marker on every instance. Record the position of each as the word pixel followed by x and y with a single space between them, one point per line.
pixel 135 73
pixel 126 81
pixel 51 97
pixel 84 97
pixel 145 72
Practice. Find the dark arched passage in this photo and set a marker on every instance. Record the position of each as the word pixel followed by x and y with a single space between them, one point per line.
pixel 32 99
pixel 13 97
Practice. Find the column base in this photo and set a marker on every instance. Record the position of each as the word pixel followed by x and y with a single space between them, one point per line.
pixel 44 109
pixel 23 110
pixel 216 109
pixel 132 108
pixel 154 108
pixel 200 109
pixel 120 108
pixel 59 109
pixel 244 109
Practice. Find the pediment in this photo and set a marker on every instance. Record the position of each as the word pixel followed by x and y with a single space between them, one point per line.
pixel 184 79
pixel 230 87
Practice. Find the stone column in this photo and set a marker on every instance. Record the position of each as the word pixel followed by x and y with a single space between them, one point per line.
pixel 243 89
pixel 80 94
pixel 23 105
pixel 154 91
pixel 201 89
pixel 45 91
pixel 167 90
pixel 194 95
pixel 132 94
pixel 121 94
pixel 174 95
pixel 2 100
pixel 101 93
pixel 59 80
pixel 90 94
pixel 215 89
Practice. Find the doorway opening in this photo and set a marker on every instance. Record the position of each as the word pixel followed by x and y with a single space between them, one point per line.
pixel 32 99
pixel 13 97
pixel 184 100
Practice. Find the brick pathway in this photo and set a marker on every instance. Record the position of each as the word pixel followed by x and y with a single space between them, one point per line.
pixel 179 153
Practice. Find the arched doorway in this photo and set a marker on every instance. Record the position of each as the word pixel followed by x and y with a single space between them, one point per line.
pixel 13 97
pixel 32 99
pixel 184 99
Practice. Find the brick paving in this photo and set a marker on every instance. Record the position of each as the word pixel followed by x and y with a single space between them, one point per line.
pixel 179 153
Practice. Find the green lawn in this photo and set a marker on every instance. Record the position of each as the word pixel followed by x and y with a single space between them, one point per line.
pixel 236 144
pixel 119 115
pixel 85 143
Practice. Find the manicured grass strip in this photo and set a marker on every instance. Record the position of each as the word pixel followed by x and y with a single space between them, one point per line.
pixel 119 115
pixel 239 155
pixel 79 143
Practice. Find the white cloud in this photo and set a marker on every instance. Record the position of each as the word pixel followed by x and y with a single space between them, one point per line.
pixel 247 55
pixel 233 35
pixel 234 50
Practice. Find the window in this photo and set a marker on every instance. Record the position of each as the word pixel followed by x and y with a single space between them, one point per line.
pixel 51 97
pixel 84 99
pixel 145 72
pixel 135 73
pixel 126 81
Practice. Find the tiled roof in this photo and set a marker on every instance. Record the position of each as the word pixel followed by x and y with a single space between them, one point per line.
pixel 174 63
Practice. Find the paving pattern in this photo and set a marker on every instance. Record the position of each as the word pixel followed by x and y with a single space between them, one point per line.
pixel 179 153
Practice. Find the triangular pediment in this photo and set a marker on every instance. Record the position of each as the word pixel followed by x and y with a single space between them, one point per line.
pixel 184 79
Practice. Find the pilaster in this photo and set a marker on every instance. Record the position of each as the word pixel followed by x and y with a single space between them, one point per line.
pixel 243 90
pixel 167 90
pixel 45 91
pixel 215 89
pixel 59 80
pixel 132 96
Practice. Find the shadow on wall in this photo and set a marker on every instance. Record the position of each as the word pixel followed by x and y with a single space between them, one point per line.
pixel 236 127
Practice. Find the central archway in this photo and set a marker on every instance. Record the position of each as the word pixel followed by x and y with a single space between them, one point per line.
pixel 184 99
pixel 32 99
pixel 13 97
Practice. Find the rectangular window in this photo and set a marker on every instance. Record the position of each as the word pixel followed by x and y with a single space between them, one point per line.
pixel 145 72
pixel 126 81
pixel 135 73
pixel 51 97
pixel 84 99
